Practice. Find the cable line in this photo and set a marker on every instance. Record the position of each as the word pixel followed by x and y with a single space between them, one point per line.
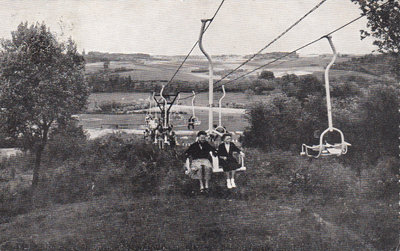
pixel 273 41
pixel 195 44
pixel 294 51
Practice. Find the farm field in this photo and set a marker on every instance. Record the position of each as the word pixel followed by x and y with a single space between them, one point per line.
pixel 233 122
pixel 164 69
pixel 201 98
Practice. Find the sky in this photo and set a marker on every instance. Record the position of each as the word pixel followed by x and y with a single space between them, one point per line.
pixel 171 27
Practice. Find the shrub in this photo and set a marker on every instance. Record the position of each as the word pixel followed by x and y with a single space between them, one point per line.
pixel 266 75
pixel 380 121
pixel 284 123
pixel 344 90
pixel 67 142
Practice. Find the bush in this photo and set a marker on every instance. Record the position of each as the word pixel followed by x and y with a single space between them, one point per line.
pixel 380 121
pixel 67 142
pixel 266 75
pixel 344 90
pixel 284 123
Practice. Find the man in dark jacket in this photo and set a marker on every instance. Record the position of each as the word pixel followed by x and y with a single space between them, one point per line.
pixel 201 167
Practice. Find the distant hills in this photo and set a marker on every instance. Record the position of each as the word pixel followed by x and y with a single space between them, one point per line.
pixel 95 56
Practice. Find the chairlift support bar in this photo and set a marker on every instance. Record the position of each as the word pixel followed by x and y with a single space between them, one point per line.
pixel 166 117
pixel 163 103
pixel 328 93
pixel 325 149
pixel 220 106
pixel 210 74
pixel 194 97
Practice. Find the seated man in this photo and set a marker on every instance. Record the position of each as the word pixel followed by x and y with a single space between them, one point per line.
pixel 201 167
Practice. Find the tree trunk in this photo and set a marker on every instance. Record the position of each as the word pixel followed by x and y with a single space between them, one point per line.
pixel 38 157
pixel 36 168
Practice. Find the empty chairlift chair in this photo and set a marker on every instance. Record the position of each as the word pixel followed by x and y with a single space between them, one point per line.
pixel 324 148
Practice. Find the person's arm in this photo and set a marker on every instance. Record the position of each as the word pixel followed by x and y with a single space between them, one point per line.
pixel 189 151
pixel 221 150
pixel 211 149
pixel 236 149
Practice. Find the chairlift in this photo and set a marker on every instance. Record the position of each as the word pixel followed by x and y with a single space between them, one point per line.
pixel 216 168
pixel 195 120
pixel 324 148
pixel 176 115
pixel 220 129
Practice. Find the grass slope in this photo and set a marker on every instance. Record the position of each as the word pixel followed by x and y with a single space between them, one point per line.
pixel 186 223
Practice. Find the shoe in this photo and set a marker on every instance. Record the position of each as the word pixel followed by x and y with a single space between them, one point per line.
pixel 233 183
pixel 228 184
pixel 202 190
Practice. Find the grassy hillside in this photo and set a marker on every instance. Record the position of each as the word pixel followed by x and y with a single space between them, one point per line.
pixel 117 193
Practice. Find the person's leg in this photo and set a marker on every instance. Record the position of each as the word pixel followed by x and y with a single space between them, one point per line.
pixel 207 175
pixel 201 177
pixel 228 181
pixel 233 178
pixel 201 184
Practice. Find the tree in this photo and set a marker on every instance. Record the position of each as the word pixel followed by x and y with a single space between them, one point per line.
pixel 267 75
pixel 383 23
pixel 380 121
pixel 106 64
pixel 41 86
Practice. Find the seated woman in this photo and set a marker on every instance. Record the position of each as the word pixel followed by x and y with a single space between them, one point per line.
pixel 226 159
pixel 201 167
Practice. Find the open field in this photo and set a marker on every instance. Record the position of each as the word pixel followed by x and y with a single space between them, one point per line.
pixel 164 69
pixel 201 98
pixel 233 122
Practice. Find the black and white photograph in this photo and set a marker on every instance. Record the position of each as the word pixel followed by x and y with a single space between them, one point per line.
pixel 199 125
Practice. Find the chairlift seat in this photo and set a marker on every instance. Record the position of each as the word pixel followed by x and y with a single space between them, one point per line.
pixel 326 149
pixel 196 121
pixel 218 169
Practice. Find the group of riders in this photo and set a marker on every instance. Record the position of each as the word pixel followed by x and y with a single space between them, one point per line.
pixel 159 134
pixel 199 154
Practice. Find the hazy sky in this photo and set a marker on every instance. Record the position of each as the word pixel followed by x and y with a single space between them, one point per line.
pixel 170 27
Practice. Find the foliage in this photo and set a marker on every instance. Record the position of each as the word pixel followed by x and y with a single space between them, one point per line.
pixel 345 90
pixel 377 65
pixel 379 127
pixel 275 124
pixel 383 24
pixel 42 82
pixel 301 86
pixel 284 123
pixel 67 141
pixel 266 75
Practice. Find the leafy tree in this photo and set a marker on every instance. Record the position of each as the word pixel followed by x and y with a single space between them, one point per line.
pixel 106 64
pixel 41 86
pixel 380 121
pixel 383 23
pixel 274 125
pixel 266 75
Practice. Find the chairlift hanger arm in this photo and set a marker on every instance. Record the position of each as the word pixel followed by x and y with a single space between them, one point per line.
pixel 327 88
pixel 220 106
